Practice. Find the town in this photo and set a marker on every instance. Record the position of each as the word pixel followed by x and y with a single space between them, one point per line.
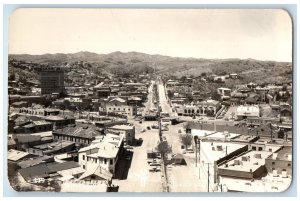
pixel 70 130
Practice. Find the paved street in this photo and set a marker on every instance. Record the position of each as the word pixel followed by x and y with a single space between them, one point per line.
pixel 139 178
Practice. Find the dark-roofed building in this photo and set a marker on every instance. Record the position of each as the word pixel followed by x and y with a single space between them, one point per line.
pixel 45 170
pixel 35 161
pixel 60 121
pixel 52 148
pixel 34 127
pixel 81 134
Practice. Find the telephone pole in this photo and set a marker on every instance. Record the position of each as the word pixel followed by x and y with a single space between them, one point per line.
pixel 208 164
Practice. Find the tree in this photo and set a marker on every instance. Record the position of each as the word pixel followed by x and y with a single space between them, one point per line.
pixel 186 139
pixel 163 147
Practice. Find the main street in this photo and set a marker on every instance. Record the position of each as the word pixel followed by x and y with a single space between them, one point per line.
pixel 181 178
pixel 139 178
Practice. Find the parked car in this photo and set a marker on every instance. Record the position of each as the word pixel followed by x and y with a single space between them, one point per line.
pixel 148 127
pixel 128 158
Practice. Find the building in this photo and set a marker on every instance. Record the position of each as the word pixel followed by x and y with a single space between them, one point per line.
pixel 60 121
pixel 81 134
pixel 46 170
pixel 34 127
pixel 119 105
pixel 126 130
pixel 52 80
pixel 245 111
pixel 224 92
pixel 280 162
pixel 208 107
pixel 52 148
pixel 250 165
pixel 102 155
pixel 16 155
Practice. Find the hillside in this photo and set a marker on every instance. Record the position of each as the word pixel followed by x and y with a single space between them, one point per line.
pixel 135 62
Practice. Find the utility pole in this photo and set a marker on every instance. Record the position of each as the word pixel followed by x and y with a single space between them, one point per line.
pixel 208 176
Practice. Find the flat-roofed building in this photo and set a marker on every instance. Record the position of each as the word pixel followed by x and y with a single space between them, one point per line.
pixel 52 80
pixel 280 162
pixel 245 111
pixel 249 165
pixel 126 130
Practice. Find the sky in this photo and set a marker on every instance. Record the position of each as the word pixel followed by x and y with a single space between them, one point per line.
pixel 263 34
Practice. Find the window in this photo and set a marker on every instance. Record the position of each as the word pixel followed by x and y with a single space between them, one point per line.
pixel 118 108
pixel 83 157
pixel 283 170
pixel 254 148
pixel 95 160
pixel 273 163
pixel 111 161
pixel 128 109
pixel 289 165
pixel 83 166
pixel 105 161
pixel 259 148
pixel 109 108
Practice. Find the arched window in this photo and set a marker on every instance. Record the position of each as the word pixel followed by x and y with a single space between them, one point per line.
pixel 185 111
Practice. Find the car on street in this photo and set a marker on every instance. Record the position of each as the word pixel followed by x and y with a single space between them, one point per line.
pixel 128 158
pixel 148 127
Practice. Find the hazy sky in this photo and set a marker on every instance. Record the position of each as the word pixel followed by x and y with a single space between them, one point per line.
pixel 201 33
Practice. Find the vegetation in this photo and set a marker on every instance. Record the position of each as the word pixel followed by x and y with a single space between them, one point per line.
pixel 186 140
pixel 164 148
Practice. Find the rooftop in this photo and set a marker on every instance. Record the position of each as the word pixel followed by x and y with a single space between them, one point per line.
pixel 15 155
pixel 80 130
pixel 285 153
pixel 248 162
pixel 34 161
pixel 122 127
pixel 247 110
pixel 214 151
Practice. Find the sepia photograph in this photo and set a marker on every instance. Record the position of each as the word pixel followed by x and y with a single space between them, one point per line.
pixel 150 100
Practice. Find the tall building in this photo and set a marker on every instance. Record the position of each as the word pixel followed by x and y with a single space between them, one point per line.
pixel 52 80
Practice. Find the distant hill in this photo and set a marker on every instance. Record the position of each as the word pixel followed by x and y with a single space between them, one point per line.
pixel 140 62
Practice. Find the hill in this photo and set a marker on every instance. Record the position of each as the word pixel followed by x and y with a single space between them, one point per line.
pixel 135 62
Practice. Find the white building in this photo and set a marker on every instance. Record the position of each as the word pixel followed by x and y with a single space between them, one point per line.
pixel 245 111
pixel 102 154
pixel 119 105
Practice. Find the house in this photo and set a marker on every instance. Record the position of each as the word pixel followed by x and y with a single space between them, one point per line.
pixel 103 153
pixel 126 130
pixel 60 121
pixel 35 161
pixel 46 170
pixel 52 148
pixel 233 76
pixel 16 156
pixel 81 134
pixel 224 92
pixel 34 127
